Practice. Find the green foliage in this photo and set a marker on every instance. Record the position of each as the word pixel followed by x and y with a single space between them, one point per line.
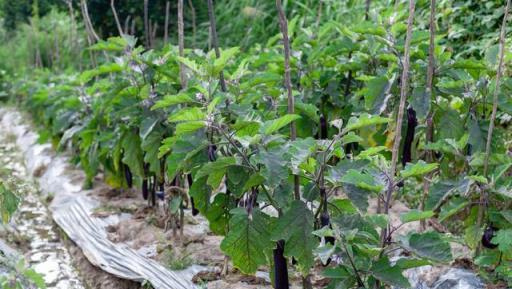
pixel 21 276
pixel 130 110
pixel 9 202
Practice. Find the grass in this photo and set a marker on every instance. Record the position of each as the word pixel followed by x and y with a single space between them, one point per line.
pixel 176 261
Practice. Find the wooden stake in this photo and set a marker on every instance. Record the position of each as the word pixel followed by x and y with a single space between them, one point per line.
pixel 430 91
pixel 400 115
pixel 215 44
pixel 166 24
pixel 499 73
pixel 181 44
pixel 118 24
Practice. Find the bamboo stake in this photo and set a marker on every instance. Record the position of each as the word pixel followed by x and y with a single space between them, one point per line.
pixel 88 21
pixel 367 10
pixel 127 24
pixel 283 22
pixel 118 24
pixel 499 73
pixel 181 44
pixel 430 90
pixel 166 24
pixel 193 14
pixel 154 29
pixel 146 24
pixel 215 44
pixel 400 115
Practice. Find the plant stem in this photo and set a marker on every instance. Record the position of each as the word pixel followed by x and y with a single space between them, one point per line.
pixel 499 73
pixel 400 115
pixel 430 91
pixel 215 43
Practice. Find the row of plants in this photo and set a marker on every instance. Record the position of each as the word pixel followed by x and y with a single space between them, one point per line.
pixel 369 110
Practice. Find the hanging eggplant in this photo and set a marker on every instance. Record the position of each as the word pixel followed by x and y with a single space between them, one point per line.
pixel 280 267
pixel 153 191
pixel 128 176
pixel 323 127
pixel 489 233
pixel 412 122
pixel 145 190
pixel 195 211
pixel 212 149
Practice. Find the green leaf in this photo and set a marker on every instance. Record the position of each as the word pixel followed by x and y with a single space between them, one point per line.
pixel 188 127
pixel 415 215
pixel 345 206
pixel 365 120
pixel 253 181
pixel 295 227
pixel 151 145
pixel 418 169
pixel 391 275
pixel 408 263
pixel 420 101
pixel 361 180
pixel 201 193
pixel 132 152
pixel 351 138
pixel 35 278
pixel 191 64
pixel 376 93
pixel 248 240
pixel 170 100
pixel 188 114
pixel 452 207
pixel 504 240
pixel 8 203
pixel 215 170
pixel 308 109
pixel 473 235
pixel 271 126
pixel 225 56
pixel 428 245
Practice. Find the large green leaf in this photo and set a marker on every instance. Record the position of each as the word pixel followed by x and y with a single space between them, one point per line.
pixel 415 215
pixel 151 145
pixel 365 120
pixel 188 114
pixel 170 100
pixel 8 203
pixel 504 240
pixel 391 275
pixel 271 126
pixel 296 227
pixel 215 170
pixel 376 93
pixel 361 180
pixel 248 240
pixel 417 169
pixel 132 152
pixel 428 245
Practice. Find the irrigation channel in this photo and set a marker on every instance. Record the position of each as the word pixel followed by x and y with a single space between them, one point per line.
pixel 55 208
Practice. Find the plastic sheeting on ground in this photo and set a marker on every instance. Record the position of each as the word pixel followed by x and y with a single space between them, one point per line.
pixel 72 210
